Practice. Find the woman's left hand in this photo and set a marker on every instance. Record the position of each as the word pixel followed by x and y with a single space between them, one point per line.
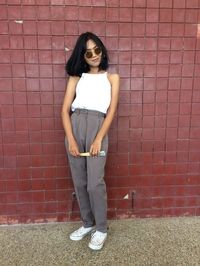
pixel 95 147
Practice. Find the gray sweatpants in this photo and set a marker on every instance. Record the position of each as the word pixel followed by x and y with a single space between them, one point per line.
pixel 88 172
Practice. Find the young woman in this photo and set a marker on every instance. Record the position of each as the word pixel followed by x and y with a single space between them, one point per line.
pixel 92 97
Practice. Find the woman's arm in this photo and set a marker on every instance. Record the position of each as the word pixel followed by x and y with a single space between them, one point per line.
pixel 96 145
pixel 68 99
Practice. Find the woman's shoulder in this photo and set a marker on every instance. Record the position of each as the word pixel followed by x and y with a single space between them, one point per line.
pixel 73 79
pixel 113 77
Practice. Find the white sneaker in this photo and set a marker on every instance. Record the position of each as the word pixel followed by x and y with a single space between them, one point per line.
pixel 97 240
pixel 80 233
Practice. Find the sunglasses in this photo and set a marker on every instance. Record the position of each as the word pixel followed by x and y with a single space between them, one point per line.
pixel 89 54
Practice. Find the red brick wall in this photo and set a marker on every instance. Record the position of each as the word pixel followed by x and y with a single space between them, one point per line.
pixel 155 139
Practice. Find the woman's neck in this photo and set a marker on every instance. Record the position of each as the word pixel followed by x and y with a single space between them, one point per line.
pixel 94 70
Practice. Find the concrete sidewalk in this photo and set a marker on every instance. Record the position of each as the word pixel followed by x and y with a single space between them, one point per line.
pixel 166 241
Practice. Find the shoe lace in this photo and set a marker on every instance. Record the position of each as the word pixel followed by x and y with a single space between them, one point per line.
pixel 97 237
pixel 80 230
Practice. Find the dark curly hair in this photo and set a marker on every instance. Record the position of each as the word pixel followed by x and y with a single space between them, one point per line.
pixel 76 64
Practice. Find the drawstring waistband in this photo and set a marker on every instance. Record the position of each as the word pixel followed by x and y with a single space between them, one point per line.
pixel 91 112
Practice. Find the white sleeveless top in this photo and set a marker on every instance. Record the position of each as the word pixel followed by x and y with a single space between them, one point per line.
pixel 93 92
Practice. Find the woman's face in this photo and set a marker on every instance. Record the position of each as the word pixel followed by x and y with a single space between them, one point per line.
pixel 93 54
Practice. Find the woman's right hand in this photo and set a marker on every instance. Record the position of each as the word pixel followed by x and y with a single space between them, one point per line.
pixel 73 148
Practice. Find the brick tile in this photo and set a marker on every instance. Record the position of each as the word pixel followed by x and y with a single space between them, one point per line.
pixel 30 42
pixel 3 12
pixel 152 15
pixel 176 57
pixel 125 14
pixel 176 43
pixel 147 133
pixel 22 136
pixel 71 13
pixel 28 2
pixel 165 29
pixel 159 133
pixel 136 109
pixel 162 71
pixel 151 44
pixel 4 42
pixel 125 83
pixel 58 57
pixel 17 56
pixel 57 12
pixel 152 3
pixel 125 29
pixel 178 15
pixel 188 70
pixel 58 71
pixel 139 15
pixel 124 97
pixel 190 30
pixel 137 71
pixel 29 27
pixel 151 29
pixel 12 185
pixel 4 27
pixel 84 26
pixel 18 71
pixel 178 29
pixel 14 11
pixel 112 14
pixel 124 70
pixel 28 12
pixel 20 98
pixel 126 3
pixel 174 84
pixel 21 124
pixel 192 4
pixel 8 124
pixel 47 110
pixel 31 56
pixel 45 57
pixel 185 108
pixel 5 71
pixel 44 27
pixel 165 15
pixel 32 71
pixel 43 12
pixel 25 185
pixel 45 71
pixel 138 3
pixel 138 44
pixel 172 121
pixel 189 43
pixel 112 29
pixel 150 72
pixel 6 98
pixel 23 149
pixel 179 4
pixel 175 70
pixel 136 122
pixel 164 4
pixel 9 149
pixel 191 15
pixel 98 13
pixel 57 28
